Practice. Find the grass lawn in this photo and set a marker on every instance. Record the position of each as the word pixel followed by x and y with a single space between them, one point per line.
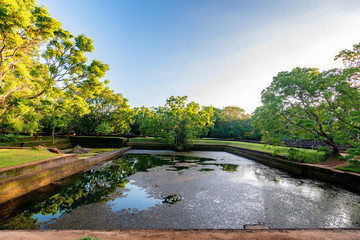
pixel 350 167
pixel 143 139
pixel 10 157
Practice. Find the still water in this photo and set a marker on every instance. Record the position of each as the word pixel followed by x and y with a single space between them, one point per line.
pixel 163 189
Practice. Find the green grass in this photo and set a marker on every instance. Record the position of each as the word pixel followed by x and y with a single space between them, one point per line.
pixel 41 138
pixel 144 140
pixel 11 157
pixel 351 167
pixel 88 238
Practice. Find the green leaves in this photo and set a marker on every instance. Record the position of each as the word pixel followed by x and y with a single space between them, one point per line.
pixel 84 43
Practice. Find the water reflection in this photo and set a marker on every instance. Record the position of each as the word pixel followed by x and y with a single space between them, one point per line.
pixel 135 198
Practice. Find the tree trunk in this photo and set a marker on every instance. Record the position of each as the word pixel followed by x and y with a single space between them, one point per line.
pixel 53 134
pixel 69 129
pixel 335 150
pixel 37 136
pixel 334 147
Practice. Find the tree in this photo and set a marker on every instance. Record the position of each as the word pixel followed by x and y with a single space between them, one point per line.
pixel 59 109
pixel 178 123
pixel 232 122
pixel 140 116
pixel 68 67
pixel 234 113
pixel 109 112
pixel 24 27
pixel 306 101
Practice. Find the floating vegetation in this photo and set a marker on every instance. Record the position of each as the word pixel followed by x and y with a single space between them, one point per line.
pixel 206 170
pixel 172 199
pixel 229 167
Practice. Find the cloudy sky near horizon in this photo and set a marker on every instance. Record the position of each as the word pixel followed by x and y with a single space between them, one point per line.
pixel 219 53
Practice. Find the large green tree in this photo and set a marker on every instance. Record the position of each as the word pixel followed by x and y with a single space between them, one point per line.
pixel 24 27
pixel 308 103
pixel 109 112
pixel 39 62
pixel 178 123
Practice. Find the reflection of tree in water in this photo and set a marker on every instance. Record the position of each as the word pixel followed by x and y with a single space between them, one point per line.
pixel 91 187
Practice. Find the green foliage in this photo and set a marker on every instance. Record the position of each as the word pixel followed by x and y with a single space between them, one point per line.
pixel 299 155
pixel 353 166
pixel 178 123
pixel 140 118
pixel 104 128
pixel 232 122
pixel 326 152
pixel 88 238
pixel 7 138
pixel 108 112
pixel 42 88
pixel 295 154
pixel 24 28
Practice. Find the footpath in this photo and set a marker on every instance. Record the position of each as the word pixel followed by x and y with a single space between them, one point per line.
pixel 274 234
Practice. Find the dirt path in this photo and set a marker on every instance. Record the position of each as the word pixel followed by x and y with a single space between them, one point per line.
pixel 303 234
pixel 333 163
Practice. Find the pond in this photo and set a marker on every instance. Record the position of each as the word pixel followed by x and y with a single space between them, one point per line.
pixel 164 189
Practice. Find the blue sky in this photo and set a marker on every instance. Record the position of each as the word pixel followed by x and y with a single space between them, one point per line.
pixel 219 53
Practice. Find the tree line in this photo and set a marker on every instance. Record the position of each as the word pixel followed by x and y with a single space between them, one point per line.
pixel 47 84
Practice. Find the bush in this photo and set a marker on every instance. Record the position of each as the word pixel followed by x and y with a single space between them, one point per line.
pixel 300 155
pixel 7 138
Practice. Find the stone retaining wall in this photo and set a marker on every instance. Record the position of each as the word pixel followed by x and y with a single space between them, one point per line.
pixel 17 170
pixel 22 179
pixel 98 141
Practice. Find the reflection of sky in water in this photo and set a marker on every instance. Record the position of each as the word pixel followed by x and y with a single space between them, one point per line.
pixel 47 217
pixel 259 178
pixel 136 198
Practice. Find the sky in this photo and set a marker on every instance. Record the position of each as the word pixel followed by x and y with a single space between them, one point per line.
pixel 217 52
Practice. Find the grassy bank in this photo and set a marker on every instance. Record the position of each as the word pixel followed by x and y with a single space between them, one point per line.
pixel 351 167
pixel 11 157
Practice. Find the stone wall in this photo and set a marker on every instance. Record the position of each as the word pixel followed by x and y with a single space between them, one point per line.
pixel 98 141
